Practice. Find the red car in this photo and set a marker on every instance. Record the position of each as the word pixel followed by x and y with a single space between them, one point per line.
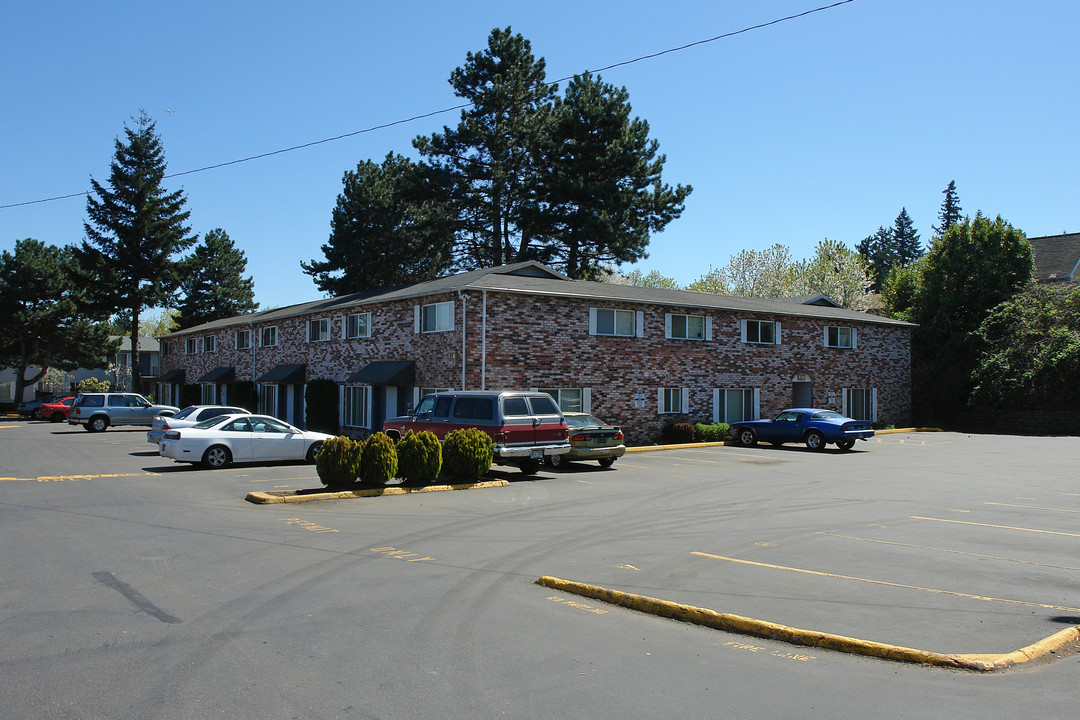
pixel 57 411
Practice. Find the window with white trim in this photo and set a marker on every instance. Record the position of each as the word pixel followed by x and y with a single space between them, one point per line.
pixel 191 347
pixel 568 399
pixel 209 344
pixel 268 399
pixel 761 332
pixel 243 339
pixel 860 403
pixel 209 394
pixel 614 322
pixel 268 336
pixel 736 404
pixel 671 400
pixel 685 327
pixel 437 317
pixel 358 326
pixel 318 330
pixel 356 406
pixel 165 348
pixel 839 337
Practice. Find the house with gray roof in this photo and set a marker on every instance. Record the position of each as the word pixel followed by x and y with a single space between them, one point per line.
pixel 1057 258
pixel 640 357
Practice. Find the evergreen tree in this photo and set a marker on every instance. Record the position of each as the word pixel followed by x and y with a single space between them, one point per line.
pixel 214 285
pixel 135 232
pixel 879 253
pixel 949 214
pixel 601 192
pixel 45 321
pixel 392 225
pixel 905 240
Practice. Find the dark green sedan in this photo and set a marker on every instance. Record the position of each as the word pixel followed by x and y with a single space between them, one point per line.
pixel 590 439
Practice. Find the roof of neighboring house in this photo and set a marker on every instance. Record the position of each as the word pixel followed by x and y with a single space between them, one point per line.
pixel 146 344
pixel 532 278
pixel 1057 257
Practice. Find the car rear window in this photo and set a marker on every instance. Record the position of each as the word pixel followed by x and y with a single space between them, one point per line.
pixel 515 406
pixel 92 401
pixel 543 405
pixel 469 408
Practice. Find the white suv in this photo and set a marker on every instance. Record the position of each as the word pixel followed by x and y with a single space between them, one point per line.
pixel 97 411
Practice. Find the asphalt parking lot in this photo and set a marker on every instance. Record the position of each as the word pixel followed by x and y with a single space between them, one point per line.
pixel 942 542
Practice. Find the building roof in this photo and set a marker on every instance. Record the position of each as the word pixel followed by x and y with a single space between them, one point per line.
pixel 532 278
pixel 1057 257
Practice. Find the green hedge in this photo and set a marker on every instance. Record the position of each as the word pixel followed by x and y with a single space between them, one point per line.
pixel 711 432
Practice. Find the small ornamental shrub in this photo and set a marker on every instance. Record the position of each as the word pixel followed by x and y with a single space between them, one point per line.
pixel 379 462
pixel 711 432
pixel 90 385
pixel 678 433
pixel 467 453
pixel 338 461
pixel 419 457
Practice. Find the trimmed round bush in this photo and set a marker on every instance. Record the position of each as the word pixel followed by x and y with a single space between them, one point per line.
pixel 467 453
pixel 379 461
pixel 338 461
pixel 419 457
pixel 711 432
pixel 678 433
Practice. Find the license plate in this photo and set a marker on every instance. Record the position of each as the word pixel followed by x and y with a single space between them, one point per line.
pixel 536 455
pixel 601 441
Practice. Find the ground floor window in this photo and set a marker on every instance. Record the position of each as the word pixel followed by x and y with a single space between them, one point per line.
pixel 356 406
pixel 569 399
pixel 737 404
pixel 209 394
pixel 860 403
pixel 672 400
pixel 268 399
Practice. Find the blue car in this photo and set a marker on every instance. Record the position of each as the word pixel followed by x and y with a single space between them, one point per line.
pixel 814 427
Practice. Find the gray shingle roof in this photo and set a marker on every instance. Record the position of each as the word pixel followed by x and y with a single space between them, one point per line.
pixel 1057 257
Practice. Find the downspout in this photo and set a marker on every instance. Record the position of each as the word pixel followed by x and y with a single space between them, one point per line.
pixel 464 299
pixel 483 342
pixel 254 358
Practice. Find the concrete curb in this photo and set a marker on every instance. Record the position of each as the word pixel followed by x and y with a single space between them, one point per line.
pixel 735 443
pixel 810 638
pixel 268 498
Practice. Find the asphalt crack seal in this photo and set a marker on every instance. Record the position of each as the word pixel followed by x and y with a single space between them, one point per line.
pixel 137 599
pixel 810 638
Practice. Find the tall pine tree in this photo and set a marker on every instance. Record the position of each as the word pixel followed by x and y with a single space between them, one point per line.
pixel 215 287
pixel 949 214
pixel 135 233
pixel 905 240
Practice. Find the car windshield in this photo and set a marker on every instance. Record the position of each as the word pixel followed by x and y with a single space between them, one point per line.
pixel 207 424
pixel 827 414
pixel 184 413
pixel 583 420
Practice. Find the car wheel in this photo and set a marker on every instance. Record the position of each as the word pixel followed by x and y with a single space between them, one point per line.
pixel 606 462
pixel 216 457
pixel 57 417
pixel 529 467
pixel 746 437
pixel 815 440
pixel 555 461
pixel 845 444
pixel 97 424
pixel 313 451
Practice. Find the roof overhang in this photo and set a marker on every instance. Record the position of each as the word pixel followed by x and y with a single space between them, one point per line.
pixel 283 375
pixel 219 375
pixel 386 372
pixel 173 376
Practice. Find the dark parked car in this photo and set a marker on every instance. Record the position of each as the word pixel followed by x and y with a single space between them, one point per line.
pixel 590 439
pixel 812 426
pixel 30 407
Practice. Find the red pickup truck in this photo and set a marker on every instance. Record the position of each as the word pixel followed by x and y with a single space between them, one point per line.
pixel 526 426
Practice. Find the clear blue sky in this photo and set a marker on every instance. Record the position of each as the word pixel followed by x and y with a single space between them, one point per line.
pixel 819 127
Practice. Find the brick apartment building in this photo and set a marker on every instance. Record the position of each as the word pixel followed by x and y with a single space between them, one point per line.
pixel 641 357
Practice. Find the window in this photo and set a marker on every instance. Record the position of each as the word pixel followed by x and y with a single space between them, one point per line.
pixel 191 346
pixel 736 404
pixel 764 332
pixel 685 327
pixel 6 392
pixel 209 394
pixel 606 321
pixel 839 337
pixel 515 407
pixel 543 406
pixel 569 399
pixel 860 403
pixel 243 339
pixel 209 344
pixel 164 348
pixel 358 326
pixel 356 406
pixel 474 408
pixel 268 336
pixel 437 317
pixel 268 399
pixel 318 330
pixel 672 400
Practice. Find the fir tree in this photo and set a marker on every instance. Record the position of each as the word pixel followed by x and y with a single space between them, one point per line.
pixel 949 214
pixel 905 240
pixel 215 287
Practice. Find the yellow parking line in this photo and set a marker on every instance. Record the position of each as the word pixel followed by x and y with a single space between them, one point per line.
pixel 60 478
pixel 1032 507
pixel 888 584
pixel 1000 527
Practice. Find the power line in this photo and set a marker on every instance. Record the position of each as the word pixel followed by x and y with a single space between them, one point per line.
pixel 462 106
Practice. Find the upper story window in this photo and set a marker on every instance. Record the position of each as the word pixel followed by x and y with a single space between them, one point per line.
pixel 243 339
pixel 839 337
pixel 209 344
pixel 358 326
pixel 318 330
pixel 618 323
pixel 436 317
pixel 191 346
pixel 685 327
pixel 165 344
pixel 268 336
pixel 764 332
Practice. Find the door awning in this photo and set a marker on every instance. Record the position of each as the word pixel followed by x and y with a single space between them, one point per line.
pixel 386 372
pixel 283 375
pixel 173 376
pixel 219 375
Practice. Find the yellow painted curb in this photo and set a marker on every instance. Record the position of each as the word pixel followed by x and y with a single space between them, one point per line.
pixel 265 498
pixel 907 430
pixel 649 448
pixel 811 638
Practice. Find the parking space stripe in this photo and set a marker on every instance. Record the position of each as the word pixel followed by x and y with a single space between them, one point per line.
pixel 1000 527
pixel 1032 507
pixel 935 591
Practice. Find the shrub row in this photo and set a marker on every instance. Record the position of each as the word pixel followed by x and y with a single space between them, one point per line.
pixel 679 433
pixel 417 458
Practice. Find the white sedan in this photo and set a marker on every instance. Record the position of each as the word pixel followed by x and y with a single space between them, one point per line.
pixel 240 438
pixel 187 417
